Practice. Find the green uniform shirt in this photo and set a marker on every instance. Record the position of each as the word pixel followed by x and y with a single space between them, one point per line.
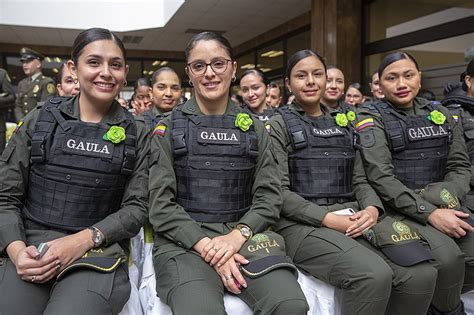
pixel 172 223
pixel 15 168
pixel 377 160
pixel 30 92
pixel 295 207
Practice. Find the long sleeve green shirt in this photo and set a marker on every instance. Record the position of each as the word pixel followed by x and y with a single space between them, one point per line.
pixel 295 207
pixel 377 161
pixel 14 173
pixel 172 224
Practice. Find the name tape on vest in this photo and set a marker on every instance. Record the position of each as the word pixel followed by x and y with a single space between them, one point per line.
pixel 329 132
pixel 88 147
pixel 421 133
pixel 218 136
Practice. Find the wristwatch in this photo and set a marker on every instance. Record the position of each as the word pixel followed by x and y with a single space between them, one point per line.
pixel 97 236
pixel 244 230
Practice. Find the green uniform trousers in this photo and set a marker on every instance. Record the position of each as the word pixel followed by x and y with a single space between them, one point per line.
pixel 367 282
pixel 80 291
pixel 189 285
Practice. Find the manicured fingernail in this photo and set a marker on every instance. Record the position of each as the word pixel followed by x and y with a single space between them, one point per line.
pixel 244 285
pixel 246 261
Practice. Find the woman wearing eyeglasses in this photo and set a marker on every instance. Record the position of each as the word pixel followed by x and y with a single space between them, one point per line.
pixel 214 190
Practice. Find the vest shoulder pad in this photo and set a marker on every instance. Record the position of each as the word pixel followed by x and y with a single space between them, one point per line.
pixel 452 106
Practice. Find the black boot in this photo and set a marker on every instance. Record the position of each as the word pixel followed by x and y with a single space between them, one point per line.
pixel 459 310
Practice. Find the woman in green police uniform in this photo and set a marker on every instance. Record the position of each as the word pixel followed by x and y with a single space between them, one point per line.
pixel 214 183
pixel 328 204
pixel 74 177
pixel 410 147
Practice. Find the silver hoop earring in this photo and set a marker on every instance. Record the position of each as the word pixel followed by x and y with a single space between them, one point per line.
pixel 234 78
pixel 190 83
pixel 125 83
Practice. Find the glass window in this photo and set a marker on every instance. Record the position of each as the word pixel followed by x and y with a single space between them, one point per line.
pixel 245 62
pixel 389 18
pixel 298 42
pixel 440 61
pixel 270 58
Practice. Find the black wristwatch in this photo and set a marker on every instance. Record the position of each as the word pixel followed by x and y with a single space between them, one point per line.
pixel 244 230
pixel 97 236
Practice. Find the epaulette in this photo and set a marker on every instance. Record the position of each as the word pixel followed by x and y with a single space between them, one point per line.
pixel 453 105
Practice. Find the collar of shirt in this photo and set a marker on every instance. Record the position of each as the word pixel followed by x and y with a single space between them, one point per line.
pixel 191 107
pixel 155 111
pixel 35 76
pixel 114 116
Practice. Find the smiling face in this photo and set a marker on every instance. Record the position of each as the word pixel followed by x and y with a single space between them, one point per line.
pixel 334 85
pixel 211 86
pixel 166 91
pixel 307 81
pixel 400 82
pixel 273 97
pixel 101 72
pixel 253 92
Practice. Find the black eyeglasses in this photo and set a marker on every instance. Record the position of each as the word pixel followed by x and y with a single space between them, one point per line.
pixel 217 65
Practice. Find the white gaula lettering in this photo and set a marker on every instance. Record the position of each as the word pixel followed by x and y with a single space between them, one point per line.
pixel 426 132
pixel 327 132
pixel 218 136
pixel 263 245
pixel 87 146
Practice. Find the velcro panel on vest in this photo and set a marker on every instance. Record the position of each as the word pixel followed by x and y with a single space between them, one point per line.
pixel 130 144
pixel 179 125
pixel 44 128
pixel 295 129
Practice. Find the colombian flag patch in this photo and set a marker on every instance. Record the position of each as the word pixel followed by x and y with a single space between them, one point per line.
pixel 160 130
pixel 361 125
pixel 456 118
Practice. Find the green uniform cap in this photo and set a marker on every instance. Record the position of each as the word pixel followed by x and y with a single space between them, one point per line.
pixel 30 54
pixel 265 251
pixel 398 241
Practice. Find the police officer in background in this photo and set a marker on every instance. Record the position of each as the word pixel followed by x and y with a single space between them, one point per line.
pixel 165 95
pixel 408 144
pixel 7 102
pixel 35 87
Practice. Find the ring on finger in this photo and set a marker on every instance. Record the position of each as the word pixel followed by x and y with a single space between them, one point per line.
pixel 33 278
pixel 229 277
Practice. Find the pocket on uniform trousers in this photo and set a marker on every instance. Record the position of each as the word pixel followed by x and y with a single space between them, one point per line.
pixel 101 283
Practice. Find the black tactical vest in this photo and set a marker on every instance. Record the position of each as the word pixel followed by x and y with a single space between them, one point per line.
pixel 322 162
pixel 76 178
pixel 419 147
pixel 214 162
pixel 467 121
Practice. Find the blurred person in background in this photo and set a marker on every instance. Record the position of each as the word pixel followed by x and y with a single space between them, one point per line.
pixel 7 102
pixel 253 85
pixel 335 85
pixel 274 95
pixel 35 87
pixel 67 84
pixel 354 96
pixel 141 99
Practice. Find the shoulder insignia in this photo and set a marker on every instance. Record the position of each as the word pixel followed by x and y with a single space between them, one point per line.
pixel 361 125
pixel 269 128
pixel 160 129
pixel 36 88
pixel 50 88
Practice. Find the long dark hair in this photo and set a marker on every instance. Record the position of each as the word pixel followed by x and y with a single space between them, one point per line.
pixel 300 55
pixel 91 35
